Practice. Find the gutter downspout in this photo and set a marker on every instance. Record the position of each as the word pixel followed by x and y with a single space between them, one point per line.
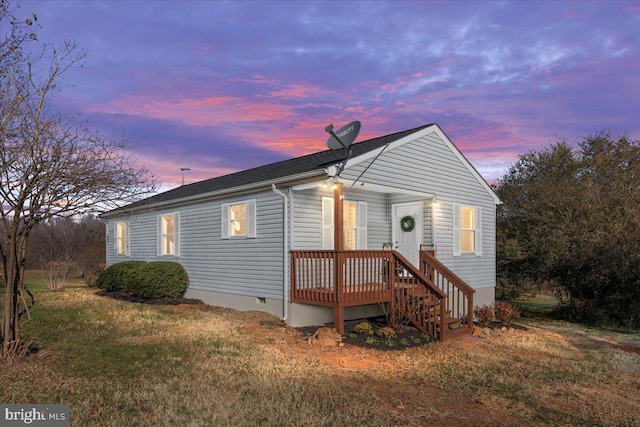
pixel 285 255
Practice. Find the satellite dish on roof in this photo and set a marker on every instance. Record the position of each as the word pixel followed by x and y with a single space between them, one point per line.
pixel 344 137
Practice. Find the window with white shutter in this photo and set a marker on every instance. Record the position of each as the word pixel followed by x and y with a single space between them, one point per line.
pixel 354 224
pixel 239 219
pixel 169 234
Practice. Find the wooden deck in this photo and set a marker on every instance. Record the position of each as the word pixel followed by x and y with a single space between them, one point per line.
pixel 342 279
pixel 366 293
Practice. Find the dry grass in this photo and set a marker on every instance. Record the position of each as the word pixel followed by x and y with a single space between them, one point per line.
pixel 119 363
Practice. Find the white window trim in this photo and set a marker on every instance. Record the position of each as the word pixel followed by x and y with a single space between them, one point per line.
pixel 457 235
pixel 328 223
pixel 251 223
pixel 176 235
pixel 118 238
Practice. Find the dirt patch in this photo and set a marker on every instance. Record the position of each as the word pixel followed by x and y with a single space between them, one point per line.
pixel 625 348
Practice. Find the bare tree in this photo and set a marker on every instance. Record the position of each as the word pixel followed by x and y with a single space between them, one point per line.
pixel 56 245
pixel 61 247
pixel 49 165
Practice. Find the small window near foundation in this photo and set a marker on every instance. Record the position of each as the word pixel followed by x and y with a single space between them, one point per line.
pixel 261 300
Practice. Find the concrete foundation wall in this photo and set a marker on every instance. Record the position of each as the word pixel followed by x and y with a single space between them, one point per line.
pixel 299 314
pixel 304 314
pixel 484 296
pixel 237 302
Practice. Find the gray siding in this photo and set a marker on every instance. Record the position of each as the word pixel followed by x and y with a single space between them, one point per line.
pixel 241 266
pixel 307 228
pixel 426 214
pixel 428 165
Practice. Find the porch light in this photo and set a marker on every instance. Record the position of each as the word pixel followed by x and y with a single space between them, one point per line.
pixel 330 183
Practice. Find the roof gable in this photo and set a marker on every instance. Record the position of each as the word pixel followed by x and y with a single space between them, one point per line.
pixel 416 134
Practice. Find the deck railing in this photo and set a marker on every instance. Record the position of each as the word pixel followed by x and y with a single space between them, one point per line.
pixel 351 278
pixel 459 301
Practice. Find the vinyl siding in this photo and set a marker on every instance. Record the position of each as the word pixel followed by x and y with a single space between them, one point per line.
pixel 240 266
pixel 307 229
pixel 428 165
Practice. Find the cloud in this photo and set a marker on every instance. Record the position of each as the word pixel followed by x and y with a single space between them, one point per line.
pixel 221 86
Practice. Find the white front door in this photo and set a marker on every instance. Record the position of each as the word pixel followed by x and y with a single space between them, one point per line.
pixel 407 242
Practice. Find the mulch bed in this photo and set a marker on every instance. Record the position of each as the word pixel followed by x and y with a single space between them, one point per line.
pixel 407 338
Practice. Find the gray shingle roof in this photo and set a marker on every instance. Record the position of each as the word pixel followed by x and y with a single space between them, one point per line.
pixel 273 171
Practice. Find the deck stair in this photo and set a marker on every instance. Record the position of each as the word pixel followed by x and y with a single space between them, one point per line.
pixel 430 313
pixel 429 295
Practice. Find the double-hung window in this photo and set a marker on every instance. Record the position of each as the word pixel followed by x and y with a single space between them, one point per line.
pixel 467 230
pixel 239 220
pixel 122 238
pixel 169 234
pixel 350 225
pixel 354 223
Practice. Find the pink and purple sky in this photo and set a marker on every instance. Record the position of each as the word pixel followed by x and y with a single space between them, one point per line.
pixel 224 86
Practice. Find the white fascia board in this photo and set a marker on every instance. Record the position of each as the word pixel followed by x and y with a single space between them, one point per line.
pixel 376 188
pixel 364 186
pixel 309 185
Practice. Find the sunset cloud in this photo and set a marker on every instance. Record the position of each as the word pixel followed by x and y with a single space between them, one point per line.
pixel 224 86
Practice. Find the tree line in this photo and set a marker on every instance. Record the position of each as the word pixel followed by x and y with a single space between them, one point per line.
pixel 64 247
pixel 570 221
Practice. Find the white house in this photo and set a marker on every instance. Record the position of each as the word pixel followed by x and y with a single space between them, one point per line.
pixel 294 239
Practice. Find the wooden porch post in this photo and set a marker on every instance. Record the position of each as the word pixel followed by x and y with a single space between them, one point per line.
pixel 338 319
pixel 338 217
pixel 338 242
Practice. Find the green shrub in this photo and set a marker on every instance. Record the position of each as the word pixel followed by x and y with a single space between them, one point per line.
pixel 159 279
pixel 363 328
pixel 387 333
pixel 115 278
pixel 484 315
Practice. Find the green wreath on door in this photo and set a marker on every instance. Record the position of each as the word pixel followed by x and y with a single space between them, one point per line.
pixel 408 223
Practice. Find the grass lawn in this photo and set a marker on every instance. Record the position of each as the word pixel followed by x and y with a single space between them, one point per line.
pixel 36 280
pixel 119 363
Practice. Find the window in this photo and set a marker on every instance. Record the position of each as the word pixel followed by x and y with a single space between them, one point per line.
pixel 467 230
pixel 350 223
pixel 239 220
pixel 168 234
pixel 122 238
pixel 354 223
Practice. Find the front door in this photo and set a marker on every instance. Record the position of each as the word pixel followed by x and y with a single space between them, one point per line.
pixel 407 241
